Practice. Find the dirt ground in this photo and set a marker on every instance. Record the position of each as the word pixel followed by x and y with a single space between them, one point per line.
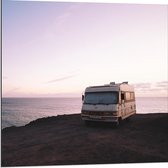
pixel 66 140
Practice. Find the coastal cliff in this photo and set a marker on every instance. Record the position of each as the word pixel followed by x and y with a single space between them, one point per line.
pixel 66 140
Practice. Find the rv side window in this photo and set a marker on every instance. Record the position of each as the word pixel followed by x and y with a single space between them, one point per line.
pixel 128 96
pixel 132 96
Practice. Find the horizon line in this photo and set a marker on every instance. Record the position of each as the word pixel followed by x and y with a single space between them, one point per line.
pixel 73 96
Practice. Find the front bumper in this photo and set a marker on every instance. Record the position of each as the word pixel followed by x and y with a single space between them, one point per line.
pixel 99 118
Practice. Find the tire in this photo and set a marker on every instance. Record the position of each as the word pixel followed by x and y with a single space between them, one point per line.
pixel 118 122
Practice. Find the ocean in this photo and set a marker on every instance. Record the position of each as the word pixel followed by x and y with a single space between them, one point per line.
pixel 20 111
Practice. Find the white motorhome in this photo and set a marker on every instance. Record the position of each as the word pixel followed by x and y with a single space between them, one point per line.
pixel 108 103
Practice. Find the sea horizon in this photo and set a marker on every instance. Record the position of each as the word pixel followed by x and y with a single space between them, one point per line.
pixel 76 97
pixel 18 111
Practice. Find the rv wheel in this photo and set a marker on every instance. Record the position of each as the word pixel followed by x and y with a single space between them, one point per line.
pixel 118 122
pixel 128 119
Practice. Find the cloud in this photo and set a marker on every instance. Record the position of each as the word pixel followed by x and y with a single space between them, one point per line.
pixel 61 79
pixel 15 89
pixel 11 92
pixel 163 84
pixel 151 89
pixel 61 23
pixel 142 86
pixel 151 86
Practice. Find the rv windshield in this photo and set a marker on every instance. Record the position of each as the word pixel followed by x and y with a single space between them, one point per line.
pixel 101 98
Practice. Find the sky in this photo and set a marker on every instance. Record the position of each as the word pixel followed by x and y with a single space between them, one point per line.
pixel 59 48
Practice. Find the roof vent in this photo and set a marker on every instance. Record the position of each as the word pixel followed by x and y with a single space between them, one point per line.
pixel 125 82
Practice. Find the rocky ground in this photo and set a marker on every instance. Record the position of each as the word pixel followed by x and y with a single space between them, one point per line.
pixel 66 140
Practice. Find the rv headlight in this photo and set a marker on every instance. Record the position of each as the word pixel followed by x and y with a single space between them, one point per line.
pixel 115 113
pixel 84 112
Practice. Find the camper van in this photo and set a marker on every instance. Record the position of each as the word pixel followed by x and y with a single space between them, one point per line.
pixel 108 103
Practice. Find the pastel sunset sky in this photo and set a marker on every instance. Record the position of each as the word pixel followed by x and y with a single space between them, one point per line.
pixel 59 48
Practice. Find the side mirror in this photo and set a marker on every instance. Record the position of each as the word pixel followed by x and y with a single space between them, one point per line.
pixel 83 97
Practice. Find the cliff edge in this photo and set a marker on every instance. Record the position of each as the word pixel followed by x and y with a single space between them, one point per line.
pixel 65 140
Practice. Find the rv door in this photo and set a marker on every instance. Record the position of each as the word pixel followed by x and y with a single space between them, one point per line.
pixel 122 104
